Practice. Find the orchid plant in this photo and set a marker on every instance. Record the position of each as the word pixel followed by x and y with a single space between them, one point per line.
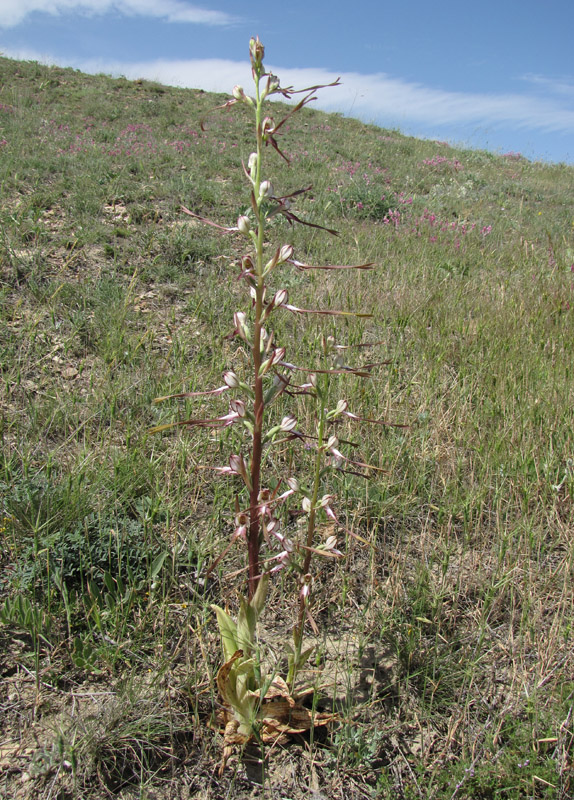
pixel 259 521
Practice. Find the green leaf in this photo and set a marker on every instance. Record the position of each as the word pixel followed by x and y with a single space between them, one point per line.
pixel 242 667
pixel 158 564
pixel 110 583
pixel 304 657
pixel 260 596
pixel 94 590
pixel 246 626
pixel 228 631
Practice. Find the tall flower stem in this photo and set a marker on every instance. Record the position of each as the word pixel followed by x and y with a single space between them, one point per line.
pixel 254 537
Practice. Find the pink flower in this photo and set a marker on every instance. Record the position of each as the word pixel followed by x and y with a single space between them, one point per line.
pixel 241 523
pixel 306 586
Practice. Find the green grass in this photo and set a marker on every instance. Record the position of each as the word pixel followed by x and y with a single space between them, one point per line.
pixel 449 635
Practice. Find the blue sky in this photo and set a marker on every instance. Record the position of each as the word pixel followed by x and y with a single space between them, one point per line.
pixel 491 75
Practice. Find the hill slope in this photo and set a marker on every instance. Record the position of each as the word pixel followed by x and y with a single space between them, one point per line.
pixel 447 639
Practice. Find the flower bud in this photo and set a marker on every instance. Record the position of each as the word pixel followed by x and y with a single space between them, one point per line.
pixel 238 406
pixel 243 225
pixel 256 52
pixel 241 326
pixel 231 379
pixel 236 463
pixel 288 423
pixel 332 442
pixel 293 484
pixel 252 163
pixel 280 297
pixel 278 355
pixel 342 406
pixel 272 526
pixel 306 505
pixel 238 92
pixel 238 466
pixel 331 546
pixel 266 189
pixel 285 253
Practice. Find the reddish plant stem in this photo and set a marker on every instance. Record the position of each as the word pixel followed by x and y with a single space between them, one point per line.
pixel 253 542
pixel 254 537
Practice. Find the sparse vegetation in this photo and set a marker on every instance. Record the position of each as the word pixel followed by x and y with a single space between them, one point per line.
pixel 445 637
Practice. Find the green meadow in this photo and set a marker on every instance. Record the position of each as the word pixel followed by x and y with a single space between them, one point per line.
pixel 445 636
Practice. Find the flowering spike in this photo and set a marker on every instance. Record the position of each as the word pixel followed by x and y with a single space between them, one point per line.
pixel 260 522
pixel 256 53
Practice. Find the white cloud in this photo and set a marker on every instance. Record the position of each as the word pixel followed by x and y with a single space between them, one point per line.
pixel 559 86
pixel 13 12
pixel 386 96
pixel 379 97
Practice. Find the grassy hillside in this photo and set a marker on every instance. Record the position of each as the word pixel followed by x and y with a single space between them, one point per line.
pixel 446 637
